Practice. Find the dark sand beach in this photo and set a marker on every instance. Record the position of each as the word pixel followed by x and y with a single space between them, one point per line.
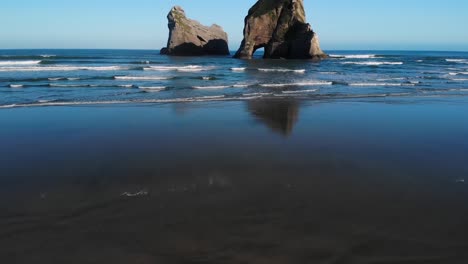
pixel 260 181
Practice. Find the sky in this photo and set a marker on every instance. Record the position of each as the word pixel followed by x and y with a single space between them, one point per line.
pixel 142 24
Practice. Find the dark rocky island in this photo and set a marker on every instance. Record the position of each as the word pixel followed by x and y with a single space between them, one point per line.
pixel 280 27
pixel 188 37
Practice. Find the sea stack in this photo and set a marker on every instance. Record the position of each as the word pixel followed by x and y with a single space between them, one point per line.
pixel 280 27
pixel 188 37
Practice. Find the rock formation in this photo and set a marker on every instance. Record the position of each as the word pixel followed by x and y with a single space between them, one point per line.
pixel 190 38
pixel 280 27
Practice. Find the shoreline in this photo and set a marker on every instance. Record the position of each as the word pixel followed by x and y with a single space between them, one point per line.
pixel 371 98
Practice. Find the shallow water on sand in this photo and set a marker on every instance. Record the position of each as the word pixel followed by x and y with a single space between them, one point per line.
pixel 374 180
pixel 76 77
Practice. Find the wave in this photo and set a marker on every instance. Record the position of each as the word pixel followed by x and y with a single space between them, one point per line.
pixel 373 63
pixel 256 94
pixel 252 96
pixel 208 78
pixel 457 60
pixel 69 85
pixel 380 84
pixel 188 68
pixel 300 91
pixel 64 68
pixel 152 88
pixel 212 87
pixel 458 90
pixel 281 70
pixel 460 79
pixel 238 69
pixel 392 79
pixel 357 56
pixel 31 62
pixel 458 73
pixel 141 78
pixel 126 85
pixel 295 84
pixel 16 86
pixel 240 85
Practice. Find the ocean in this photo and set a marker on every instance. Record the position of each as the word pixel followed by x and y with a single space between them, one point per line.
pixel 79 77
pixel 119 156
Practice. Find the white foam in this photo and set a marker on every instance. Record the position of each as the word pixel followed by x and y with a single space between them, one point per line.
pixel 54 79
pixel 256 94
pixel 212 87
pixel 356 56
pixel 281 70
pixel 137 194
pixel 300 91
pixel 67 85
pixel 238 69
pixel 295 84
pixel 47 56
pixel 19 62
pixel 144 101
pixel 16 86
pixel 63 68
pixel 457 60
pixel 152 88
pixel 460 80
pixel 125 85
pixel 140 78
pixel 207 78
pixel 377 84
pixel 458 73
pixel 188 68
pixel 391 79
pixel 73 79
pixel 459 90
pixel 240 85
pixel 373 63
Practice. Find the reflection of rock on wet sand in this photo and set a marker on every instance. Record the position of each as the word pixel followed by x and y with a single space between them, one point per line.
pixel 279 115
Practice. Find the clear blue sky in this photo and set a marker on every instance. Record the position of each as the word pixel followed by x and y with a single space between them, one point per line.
pixel 142 24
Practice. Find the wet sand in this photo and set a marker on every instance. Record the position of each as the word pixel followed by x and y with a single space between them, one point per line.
pixel 236 182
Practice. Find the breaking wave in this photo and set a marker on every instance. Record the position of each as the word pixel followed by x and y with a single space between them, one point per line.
pixel 295 84
pixel 32 62
pixel 373 63
pixel 282 70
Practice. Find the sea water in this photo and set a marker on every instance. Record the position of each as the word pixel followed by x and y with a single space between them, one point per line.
pixel 74 77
